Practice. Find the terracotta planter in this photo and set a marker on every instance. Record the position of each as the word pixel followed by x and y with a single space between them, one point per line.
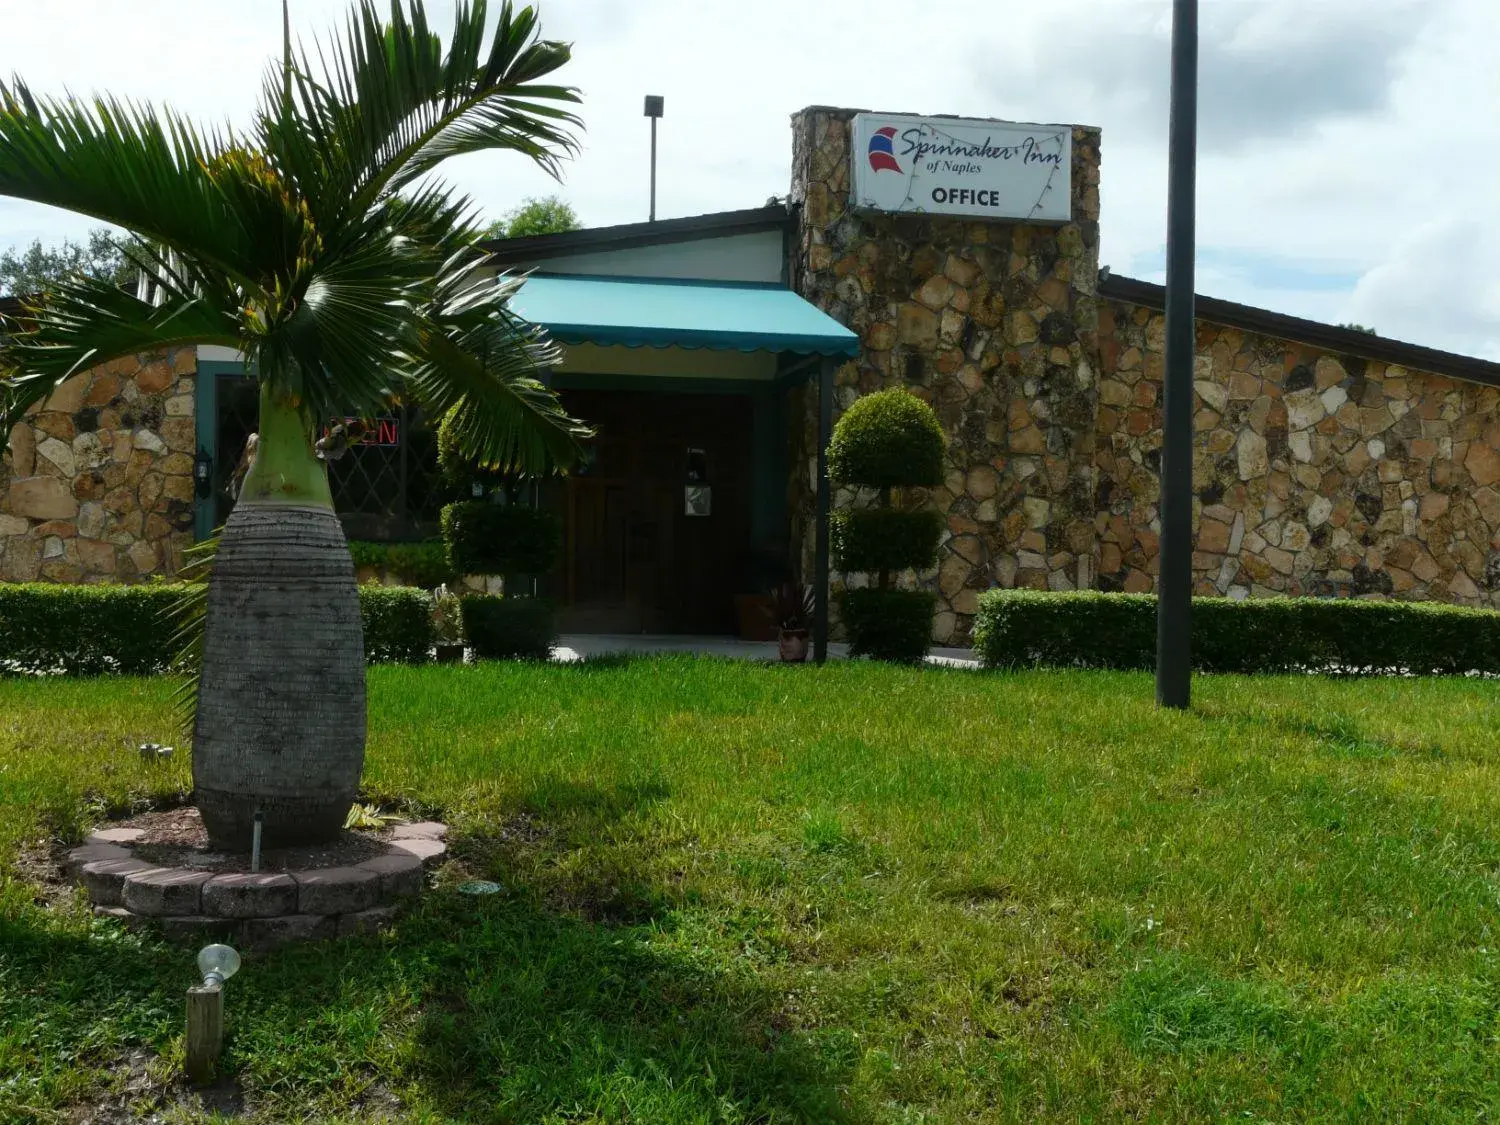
pixel 793 645
pixel 450 653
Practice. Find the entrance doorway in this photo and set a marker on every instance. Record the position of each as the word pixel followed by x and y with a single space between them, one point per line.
pixel 658 519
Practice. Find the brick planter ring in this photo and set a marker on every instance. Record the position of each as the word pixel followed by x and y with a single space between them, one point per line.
pixel 261 910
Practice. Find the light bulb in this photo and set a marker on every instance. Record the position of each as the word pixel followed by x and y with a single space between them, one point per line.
pixel 217 963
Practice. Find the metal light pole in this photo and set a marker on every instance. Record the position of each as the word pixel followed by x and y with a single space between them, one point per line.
pixel 655 106
pixel 1175 581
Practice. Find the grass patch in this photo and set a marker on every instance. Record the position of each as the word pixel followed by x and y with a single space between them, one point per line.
pixel 744 893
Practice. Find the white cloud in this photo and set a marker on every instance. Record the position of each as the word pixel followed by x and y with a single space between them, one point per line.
pixel 1346 137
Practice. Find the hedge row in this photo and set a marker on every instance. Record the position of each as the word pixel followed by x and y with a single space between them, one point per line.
pixel 1025 628
pixel 398 624
pixel 507 628
pixel 423 564
pixel 86 630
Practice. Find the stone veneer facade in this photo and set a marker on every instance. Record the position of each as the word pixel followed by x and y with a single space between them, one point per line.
pixel 1316 473
pixel 994 324
pixel 96 484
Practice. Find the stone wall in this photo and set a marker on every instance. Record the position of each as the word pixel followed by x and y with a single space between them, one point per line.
pixel 1315 473
pixel 96 484
pixel 994 324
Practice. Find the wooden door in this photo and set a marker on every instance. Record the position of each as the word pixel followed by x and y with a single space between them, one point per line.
pixel 636 561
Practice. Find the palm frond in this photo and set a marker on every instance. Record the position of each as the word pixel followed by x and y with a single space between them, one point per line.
pixel 391 104
pixel 82 322
pixel 148 171
pixel 184 622
pixel 477 362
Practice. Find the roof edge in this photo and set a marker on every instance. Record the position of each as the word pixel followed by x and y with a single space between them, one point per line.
pixel 625 236
pixel 1314 333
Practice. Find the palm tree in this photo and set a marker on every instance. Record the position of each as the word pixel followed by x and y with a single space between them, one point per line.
pixel 318 244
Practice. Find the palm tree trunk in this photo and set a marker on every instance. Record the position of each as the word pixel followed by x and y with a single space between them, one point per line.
pixel 280 726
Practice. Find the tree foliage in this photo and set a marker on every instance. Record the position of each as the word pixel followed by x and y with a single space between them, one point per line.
pixel 316 240
pixel 549 215
pixel 24 272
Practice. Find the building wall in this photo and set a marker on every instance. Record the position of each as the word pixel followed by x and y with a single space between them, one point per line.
pixel 1315 473
pixel 994 324
pixel 96 484
pixel 756 256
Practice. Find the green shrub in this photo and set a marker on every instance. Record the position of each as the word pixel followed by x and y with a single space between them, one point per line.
pixel 893 625
pixel 884 539
pixel 886 439
pixel 1025 628
pixel 86 630
pixel 500 628
pixel 423 564
pixel 398 623
pixel 486 538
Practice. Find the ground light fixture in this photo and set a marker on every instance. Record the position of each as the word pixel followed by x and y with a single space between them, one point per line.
pixel 217 963
pixel 205 1011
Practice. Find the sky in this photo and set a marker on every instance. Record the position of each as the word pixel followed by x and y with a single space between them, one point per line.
pixel 1349 150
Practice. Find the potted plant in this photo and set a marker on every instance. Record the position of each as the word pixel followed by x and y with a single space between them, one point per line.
pixel 791 611
pixel 445 622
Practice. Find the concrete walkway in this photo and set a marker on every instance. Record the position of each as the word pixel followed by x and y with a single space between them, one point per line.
pixel 577 646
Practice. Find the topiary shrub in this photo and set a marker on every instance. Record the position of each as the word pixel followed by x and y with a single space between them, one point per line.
pixel 397 622
pixel 882 539
pixel 885 440
pixel 487 538
pixel 1028 628
pixel 894 625
pixel 507 628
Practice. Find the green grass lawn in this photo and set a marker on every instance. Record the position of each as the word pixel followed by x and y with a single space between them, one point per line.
pixel 736 893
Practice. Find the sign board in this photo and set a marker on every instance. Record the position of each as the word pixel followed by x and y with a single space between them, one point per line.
pixel 382 432
pixel 962 166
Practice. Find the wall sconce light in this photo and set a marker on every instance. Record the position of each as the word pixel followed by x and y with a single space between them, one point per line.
pixel 203 474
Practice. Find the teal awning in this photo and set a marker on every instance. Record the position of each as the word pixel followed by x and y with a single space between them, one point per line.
pixel 723 315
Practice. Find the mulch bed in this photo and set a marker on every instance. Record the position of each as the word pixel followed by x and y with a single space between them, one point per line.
pixel 177 838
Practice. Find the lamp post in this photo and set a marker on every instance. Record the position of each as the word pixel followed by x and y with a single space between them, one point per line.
pixel 205 1011
pixel 655 106
pixel 1174 584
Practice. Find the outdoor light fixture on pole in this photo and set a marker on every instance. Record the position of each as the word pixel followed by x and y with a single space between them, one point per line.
pixel 205 1011
pixel 655 104
pixel 1174 584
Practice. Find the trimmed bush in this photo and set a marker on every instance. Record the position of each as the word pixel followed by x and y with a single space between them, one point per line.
pixel 1026 628
pixel 507 628
pixel 423 564
pixel 486 538
pixel 886 439
pixel 398 624
pixel 893 625
pixel 86 630
pixel 884 539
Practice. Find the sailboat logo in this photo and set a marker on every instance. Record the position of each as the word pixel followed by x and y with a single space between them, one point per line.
pixel 882 152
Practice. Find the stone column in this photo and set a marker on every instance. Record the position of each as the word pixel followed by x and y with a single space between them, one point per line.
pixel 993 323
